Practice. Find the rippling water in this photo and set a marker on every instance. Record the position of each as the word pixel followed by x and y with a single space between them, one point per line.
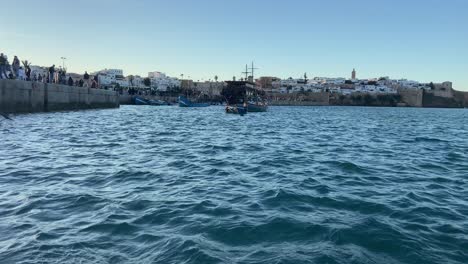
pixel 294 185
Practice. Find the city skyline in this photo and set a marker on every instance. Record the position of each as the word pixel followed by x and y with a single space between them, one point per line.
pixel 422 40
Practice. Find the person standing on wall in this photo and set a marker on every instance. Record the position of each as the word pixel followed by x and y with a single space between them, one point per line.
pixel 21 74
pixel 51 73
pixel 28 72
pixel 96 79
pixel 3 66
pixel 59 75
pixel 86 78
pixel 15 67
pixel 63 77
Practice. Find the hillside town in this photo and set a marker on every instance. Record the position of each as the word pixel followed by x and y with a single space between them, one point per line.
pixel 158 83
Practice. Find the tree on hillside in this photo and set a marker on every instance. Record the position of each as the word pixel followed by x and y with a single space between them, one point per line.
pixel 432 86
pixel 216 78
pixel 147 82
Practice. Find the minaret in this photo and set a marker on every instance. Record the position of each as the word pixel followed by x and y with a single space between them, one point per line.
pixel 353 75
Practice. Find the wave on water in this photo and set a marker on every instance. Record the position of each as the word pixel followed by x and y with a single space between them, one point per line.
pixel 294 185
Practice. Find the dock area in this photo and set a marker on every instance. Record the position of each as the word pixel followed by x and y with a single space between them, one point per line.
pixel 33 97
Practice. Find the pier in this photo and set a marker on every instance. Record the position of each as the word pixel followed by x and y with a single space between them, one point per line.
pixel 32 97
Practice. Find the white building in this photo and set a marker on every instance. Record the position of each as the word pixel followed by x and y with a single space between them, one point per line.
pixel 136 81
pixel 161 82
pixel 156 75
pixel 326 80
pixel 288 82
pixel 375 89
pixel 36 70
pixel 407 83
pixel 111 77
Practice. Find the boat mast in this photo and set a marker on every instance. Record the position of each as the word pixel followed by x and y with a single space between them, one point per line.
pixel 253 69
pixel 246 72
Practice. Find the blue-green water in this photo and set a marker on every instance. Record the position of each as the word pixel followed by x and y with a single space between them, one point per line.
pixel 294 185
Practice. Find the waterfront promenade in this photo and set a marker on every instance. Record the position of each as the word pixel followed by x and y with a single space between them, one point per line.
pixel 17 96
pixel 29 97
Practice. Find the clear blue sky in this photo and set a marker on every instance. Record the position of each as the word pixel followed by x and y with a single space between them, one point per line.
pixel 425 40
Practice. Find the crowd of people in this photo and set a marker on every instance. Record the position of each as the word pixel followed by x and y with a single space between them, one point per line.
pixel 15 71
pixel 22 70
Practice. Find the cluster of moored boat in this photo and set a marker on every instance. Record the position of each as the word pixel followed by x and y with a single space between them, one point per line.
pixel 241 97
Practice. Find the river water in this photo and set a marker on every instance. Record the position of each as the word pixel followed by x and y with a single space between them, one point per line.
pixel 294 185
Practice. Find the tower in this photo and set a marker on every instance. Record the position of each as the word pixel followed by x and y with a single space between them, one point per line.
pixel 353 75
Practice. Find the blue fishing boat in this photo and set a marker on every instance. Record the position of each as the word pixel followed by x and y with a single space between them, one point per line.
pixel 257 106
pixel 143 101
pixel 185 102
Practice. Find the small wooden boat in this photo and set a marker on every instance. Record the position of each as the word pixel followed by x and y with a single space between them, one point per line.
pixel 185 102
pixel 143 101
pixel 257 107
pixel 238 110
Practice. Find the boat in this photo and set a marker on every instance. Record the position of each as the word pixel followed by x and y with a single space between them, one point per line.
pixel 185 102
pixel 239 110
pixel 143 101
pixel 244 97
pixel 257 106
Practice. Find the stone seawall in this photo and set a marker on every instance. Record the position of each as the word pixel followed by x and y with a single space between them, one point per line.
pixel 31 97
pixel 413 98
pixel 461 97
pixel 298 103
pixel 311 99
pixel 433 100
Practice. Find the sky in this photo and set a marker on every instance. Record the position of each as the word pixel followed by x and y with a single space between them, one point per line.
pixel 423 40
